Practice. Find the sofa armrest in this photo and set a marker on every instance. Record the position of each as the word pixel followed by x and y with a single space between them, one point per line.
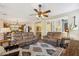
pixel 10 52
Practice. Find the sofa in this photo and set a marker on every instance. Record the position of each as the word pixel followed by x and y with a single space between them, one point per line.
pixel 53 38
pixel 22 38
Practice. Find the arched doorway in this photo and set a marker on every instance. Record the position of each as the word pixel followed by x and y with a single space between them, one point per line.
pixel 38 29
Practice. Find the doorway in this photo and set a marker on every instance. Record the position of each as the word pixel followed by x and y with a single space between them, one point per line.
pixel 38 32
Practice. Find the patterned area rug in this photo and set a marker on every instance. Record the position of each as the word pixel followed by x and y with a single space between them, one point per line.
pixel 37 49
pixel 44 49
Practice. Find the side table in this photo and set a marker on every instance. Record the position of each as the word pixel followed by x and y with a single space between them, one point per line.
pixel 4 43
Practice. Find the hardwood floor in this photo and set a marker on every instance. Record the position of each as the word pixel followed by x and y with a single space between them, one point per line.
pixel 73 48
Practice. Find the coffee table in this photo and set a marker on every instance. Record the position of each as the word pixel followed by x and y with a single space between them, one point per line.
pixel 8 48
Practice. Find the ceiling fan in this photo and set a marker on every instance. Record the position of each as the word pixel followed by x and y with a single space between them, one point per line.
pixel 41 13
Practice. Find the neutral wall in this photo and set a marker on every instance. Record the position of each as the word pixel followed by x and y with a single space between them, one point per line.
pixel 1 23
pixel 69 16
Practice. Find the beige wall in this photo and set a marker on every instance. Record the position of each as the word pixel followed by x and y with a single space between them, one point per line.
pixel 1 23
pixel 44 27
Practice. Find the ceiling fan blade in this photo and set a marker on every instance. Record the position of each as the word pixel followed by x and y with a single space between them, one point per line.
pixel 47 11
pixel 45 15
pixel 36 10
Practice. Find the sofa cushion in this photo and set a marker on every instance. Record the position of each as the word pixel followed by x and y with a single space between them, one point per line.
pixel 54 35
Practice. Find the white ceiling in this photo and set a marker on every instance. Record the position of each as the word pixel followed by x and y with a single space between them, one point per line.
pixel 24 10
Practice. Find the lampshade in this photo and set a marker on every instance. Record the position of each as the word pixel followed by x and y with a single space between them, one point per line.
pixel 75 28
pixel 4 30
